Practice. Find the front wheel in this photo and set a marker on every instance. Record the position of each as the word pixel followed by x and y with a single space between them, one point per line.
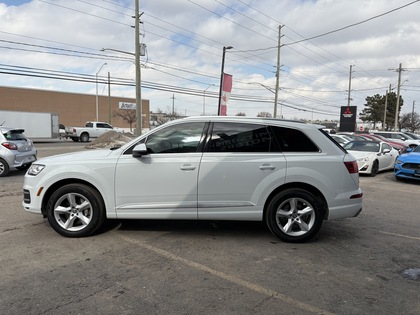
pixel 294 215
pixel 375 169
pixel 75 210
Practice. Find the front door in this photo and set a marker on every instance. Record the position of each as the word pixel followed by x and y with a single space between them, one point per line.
pixel 163 183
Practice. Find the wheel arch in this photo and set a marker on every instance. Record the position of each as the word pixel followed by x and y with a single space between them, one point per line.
pixel 313 190
pixel 61 183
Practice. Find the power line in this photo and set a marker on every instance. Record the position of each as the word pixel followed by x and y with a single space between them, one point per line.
pixel 354 24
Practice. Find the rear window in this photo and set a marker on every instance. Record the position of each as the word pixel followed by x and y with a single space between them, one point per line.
pixel 293 140
pixel 239 137
pixel 14 135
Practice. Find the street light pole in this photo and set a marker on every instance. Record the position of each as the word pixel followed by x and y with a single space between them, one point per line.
pixel 221 77
pixel 97 111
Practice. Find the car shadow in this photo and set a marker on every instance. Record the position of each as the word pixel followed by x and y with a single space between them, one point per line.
pixel 191 227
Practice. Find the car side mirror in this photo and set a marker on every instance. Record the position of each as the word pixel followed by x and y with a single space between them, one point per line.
pixel 140 150
pixel 385 151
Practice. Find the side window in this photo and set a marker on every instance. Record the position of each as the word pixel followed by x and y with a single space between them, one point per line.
pixel 386 147
pixel 180 138
pixel 102 125
pixel 234 137
pixel 90 125
pixel 293 140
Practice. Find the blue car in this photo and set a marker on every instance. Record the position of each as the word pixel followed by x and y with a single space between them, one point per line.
pixel 408 165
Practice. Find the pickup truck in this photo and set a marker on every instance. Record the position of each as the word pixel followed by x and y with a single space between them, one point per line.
pixel 92 129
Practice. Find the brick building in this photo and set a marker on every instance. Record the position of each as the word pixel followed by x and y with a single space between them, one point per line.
pixel 73 109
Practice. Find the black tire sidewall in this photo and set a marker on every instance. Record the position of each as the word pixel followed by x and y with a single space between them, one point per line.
pixel 294 193
pixel 84 137
pixel 97 208
pixel 6 168
pixel 375 169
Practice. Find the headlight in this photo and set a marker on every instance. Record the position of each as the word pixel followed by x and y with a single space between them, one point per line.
pixel 398 162
pixel 364 159
pixel 35 169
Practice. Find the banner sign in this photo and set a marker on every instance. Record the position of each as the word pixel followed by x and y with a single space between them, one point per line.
pixel 348 118
pixel 125 105
pixel 226 90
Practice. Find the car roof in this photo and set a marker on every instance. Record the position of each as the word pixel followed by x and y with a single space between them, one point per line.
pixel 259 120
pixel 8 129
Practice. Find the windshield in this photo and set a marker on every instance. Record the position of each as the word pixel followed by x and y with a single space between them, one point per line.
pixel 365 146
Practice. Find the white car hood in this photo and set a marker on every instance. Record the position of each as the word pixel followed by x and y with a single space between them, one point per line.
pixel 360 154
pixel 71 158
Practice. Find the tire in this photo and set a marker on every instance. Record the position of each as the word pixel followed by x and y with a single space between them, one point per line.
pixel 84 137
pixel 4 168
pixel 75 210
pixel 375 169
pixel 75 139
pixel 295 215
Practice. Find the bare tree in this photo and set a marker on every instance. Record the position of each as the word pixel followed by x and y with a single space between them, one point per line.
pixel 410 121
pixel 159 117
pixel 129 115
pixel 240 114
pixel 264 114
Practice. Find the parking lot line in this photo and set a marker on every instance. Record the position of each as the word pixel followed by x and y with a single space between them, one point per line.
pixel 400 235
pixel 238 281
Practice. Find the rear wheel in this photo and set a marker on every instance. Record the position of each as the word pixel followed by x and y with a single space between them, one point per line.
pixel 4 168
pixel 75 210
pixel 84 137
pixel 294 215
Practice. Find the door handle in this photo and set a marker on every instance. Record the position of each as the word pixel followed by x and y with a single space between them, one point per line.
pixel 267 167
pixel 187 167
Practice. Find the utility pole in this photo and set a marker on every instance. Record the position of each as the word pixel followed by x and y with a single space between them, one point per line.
pixel 397 108
pixel 139 114
pixel 276 97
pixel 412 118
pixel 109 98
pixel 386 105
pixel 348 95
pixel 173 106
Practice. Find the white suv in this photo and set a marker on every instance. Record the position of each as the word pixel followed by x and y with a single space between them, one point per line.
pixel 290 174
pixel 398 137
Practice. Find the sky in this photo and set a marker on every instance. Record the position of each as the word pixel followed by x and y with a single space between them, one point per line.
pixel 56 45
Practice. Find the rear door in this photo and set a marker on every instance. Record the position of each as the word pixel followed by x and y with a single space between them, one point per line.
pixel 238 169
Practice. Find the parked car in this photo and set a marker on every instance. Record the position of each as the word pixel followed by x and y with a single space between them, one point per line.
pixel 16 151
pixel 407 166
pixel 412 135
pixel 91 130
pixel 289 174
pixel 399 146
pixel 398 137
pixel 62 131
pixel 372 156
pixel 341 139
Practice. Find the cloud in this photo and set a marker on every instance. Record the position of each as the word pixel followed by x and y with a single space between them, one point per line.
pixel 184 49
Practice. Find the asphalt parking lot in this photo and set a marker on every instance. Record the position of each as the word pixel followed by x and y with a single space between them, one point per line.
pixel 364 265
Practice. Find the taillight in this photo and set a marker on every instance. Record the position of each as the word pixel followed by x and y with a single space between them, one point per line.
pixel 10 146
pixel 352 167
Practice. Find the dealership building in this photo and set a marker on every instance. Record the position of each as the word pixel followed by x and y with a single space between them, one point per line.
pixel 73 109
